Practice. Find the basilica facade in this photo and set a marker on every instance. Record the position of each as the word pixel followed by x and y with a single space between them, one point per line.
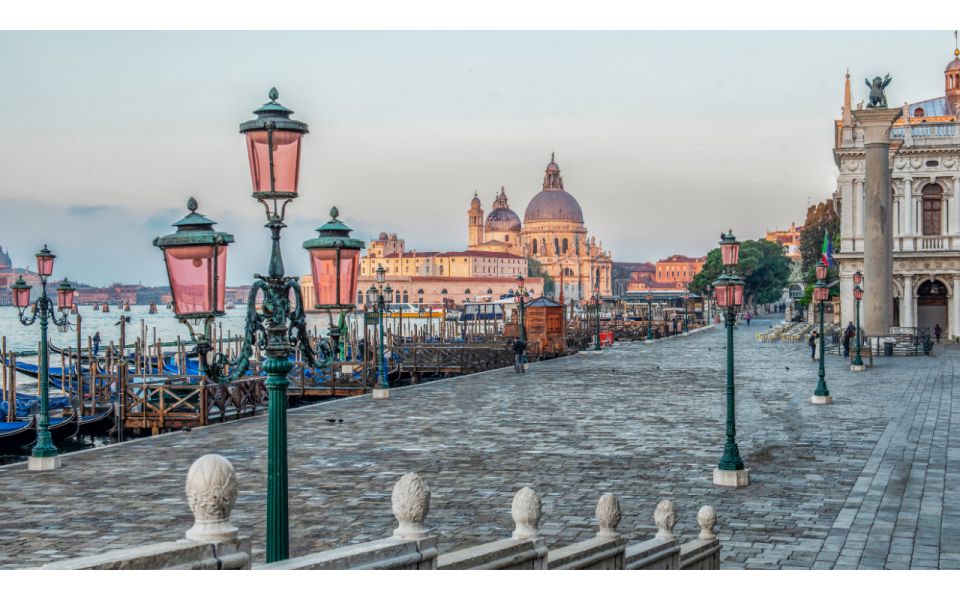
pixel 552 233
pixel 925 216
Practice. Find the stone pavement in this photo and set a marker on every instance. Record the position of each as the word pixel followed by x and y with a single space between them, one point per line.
pixel 871 481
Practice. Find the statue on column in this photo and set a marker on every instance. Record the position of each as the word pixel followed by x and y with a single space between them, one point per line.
pixel 878 98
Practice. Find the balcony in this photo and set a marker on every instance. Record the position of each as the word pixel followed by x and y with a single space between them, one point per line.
pixel 925 243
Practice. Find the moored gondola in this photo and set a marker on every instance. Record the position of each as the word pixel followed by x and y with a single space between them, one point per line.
pixel 18 433
pixel 63 428
pixel 96 424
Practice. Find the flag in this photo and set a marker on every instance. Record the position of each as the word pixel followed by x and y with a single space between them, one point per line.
pixel 826 251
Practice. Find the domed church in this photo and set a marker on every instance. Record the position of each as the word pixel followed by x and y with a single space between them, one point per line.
pixel 552 233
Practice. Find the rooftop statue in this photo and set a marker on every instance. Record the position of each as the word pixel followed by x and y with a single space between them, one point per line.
pixel 878 99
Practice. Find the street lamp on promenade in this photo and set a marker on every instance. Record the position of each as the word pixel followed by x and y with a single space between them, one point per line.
pixel 596 308
pixel 649 317
pixel 857 364
pixel 821 293
pixel 378 296
pixel 729 293
pixel 521 292
pixel 44 456
pixel 196 261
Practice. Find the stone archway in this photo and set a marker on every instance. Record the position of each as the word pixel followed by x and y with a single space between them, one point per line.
pixel 932 306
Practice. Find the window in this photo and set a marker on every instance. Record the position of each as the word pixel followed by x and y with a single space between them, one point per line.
pixel 466 291
pixel 359 297
pixel 534 246
pixel 556 246
pixel 406 297
pixel 932 198
pixel 506 238
pixel 396 297
pixel 565 247
pixel 918 112
pixel 443 291
pixel 489 291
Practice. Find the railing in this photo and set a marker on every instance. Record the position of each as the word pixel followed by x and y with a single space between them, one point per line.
pixel 214 543
pixel 925 131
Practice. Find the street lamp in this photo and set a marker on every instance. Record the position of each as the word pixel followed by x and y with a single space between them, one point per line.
pixel 596 302
pixel 44 456
pixel 729 293
pixel 821 293
pixel 857 364
pixel 378 296
pixel 196 260
pixel 521 292
pixel 686 309
pixel 649 317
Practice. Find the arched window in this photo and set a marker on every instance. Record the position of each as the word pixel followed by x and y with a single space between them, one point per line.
pixel 556 246
pixel 420 291
pixel 932 198
pixel 489 291
pixel 406 296
pixel 919 112
pixel 565 247
pixel 441 271
pixel 534 246
pixel 443 291
pixel 466 291
pixel 396 297
pixel 567 272
pixel 359 297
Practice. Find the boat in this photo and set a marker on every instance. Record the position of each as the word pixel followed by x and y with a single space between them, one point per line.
pixel 98 423
pixel 106 308
pixel 230 306
pixel 412 311
pixel 63 428
pixel 153 309
pixel 18 434
pixel 96 306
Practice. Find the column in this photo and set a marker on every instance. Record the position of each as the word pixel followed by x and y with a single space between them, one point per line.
pixel 877 222
pixel 906 303
pixel 847 231
pixel 846 297
pixel 954 328
pixel 954 208
pixel 858 198
pixel 908 212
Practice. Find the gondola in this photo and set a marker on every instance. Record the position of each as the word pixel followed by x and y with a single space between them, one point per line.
pixel 98 423
pixel 18 434
pixel 63 428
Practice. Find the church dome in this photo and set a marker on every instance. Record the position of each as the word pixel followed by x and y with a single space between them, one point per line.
pixel 553 203
pixel 501 218
pixel 5 262
pixel 953 65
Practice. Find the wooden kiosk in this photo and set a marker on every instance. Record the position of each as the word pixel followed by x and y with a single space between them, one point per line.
pixel 544 326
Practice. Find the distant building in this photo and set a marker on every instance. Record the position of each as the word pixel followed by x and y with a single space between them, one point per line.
pixel 678 270
pixel 789 239
pixel 9 274
pixel 625 273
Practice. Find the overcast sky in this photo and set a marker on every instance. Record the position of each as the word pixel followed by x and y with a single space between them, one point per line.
pixel 664 138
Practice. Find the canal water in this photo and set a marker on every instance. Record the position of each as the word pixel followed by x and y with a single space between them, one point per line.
pixel 163 325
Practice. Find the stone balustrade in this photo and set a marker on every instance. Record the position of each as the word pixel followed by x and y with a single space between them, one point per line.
pixel 214 543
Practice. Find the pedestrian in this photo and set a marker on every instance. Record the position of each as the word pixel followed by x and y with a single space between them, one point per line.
pixel 812 342
pixel 848 334
pixel 519 347
pixel 937 332
pixel 747 317
pixel 96 343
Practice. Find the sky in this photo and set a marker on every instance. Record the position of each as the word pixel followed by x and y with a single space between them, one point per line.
pixel 665 138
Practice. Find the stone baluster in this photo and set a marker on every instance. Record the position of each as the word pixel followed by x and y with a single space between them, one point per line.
pixel 411 503
pixel 703 552
pixel 665 517
pixel 211 493
pixel 707 519
pixel 608 516
pixel 526 511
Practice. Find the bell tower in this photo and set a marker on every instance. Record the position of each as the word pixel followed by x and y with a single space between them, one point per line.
pixel 475 222
pixel 951 76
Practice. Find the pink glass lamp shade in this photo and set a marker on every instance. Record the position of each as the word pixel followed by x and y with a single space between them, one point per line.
pixel 334 260
pixel 45 260
pixel 821 270
pixel 273 149
pixel 858 293
pixel 66 295
pixel 729 249
pixel 21 293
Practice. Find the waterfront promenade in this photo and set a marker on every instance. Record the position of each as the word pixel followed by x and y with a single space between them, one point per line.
pixel 871 481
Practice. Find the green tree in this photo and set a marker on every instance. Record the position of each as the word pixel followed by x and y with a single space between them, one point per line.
pixel 535 269
pixel 821 219
pixel 763 266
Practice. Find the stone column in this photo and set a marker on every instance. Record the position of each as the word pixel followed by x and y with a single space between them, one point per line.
pixel 858 199
pixel 847 230
pixel 906 301
pixel 877 221
pixel 954 208
pixel 908 212
pixel 954 328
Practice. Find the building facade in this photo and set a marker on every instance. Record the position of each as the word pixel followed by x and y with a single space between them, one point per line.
pixel 789 239
pixel 925 216
pixel 679 269
pixel 9 275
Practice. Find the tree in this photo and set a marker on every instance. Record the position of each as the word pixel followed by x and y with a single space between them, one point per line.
pixel 820 218
pixel 535 269
pixel 763 266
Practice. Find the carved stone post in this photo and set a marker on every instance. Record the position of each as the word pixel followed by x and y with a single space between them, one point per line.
pixel 526 512
pixel 878 220
pixel 211 493
pixel 411 503
pixel 707 519
pixel 665 517
pixel 608 515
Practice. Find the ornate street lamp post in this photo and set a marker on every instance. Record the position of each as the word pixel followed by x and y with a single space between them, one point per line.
pixel 649 317
pixel 521 292
pixel 821 293
pixel 44 456
pixel 729 293
pixel 377 296
pixel 857 364
pixel 596 307
pixel 196 261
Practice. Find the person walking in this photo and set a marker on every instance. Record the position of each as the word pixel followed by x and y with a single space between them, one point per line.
pixel 937 332
pixel 96 343
pixel 812 342
pixel 747 318
pixel 848 334
pixel 519 347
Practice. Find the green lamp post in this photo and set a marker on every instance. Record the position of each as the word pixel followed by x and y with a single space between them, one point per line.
pixel 196 261
pixel 521 294
pixel 44 456
pixel 728 290
pixel 821 293
pixel 649 317
pixel 857 364
pixel 378 295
